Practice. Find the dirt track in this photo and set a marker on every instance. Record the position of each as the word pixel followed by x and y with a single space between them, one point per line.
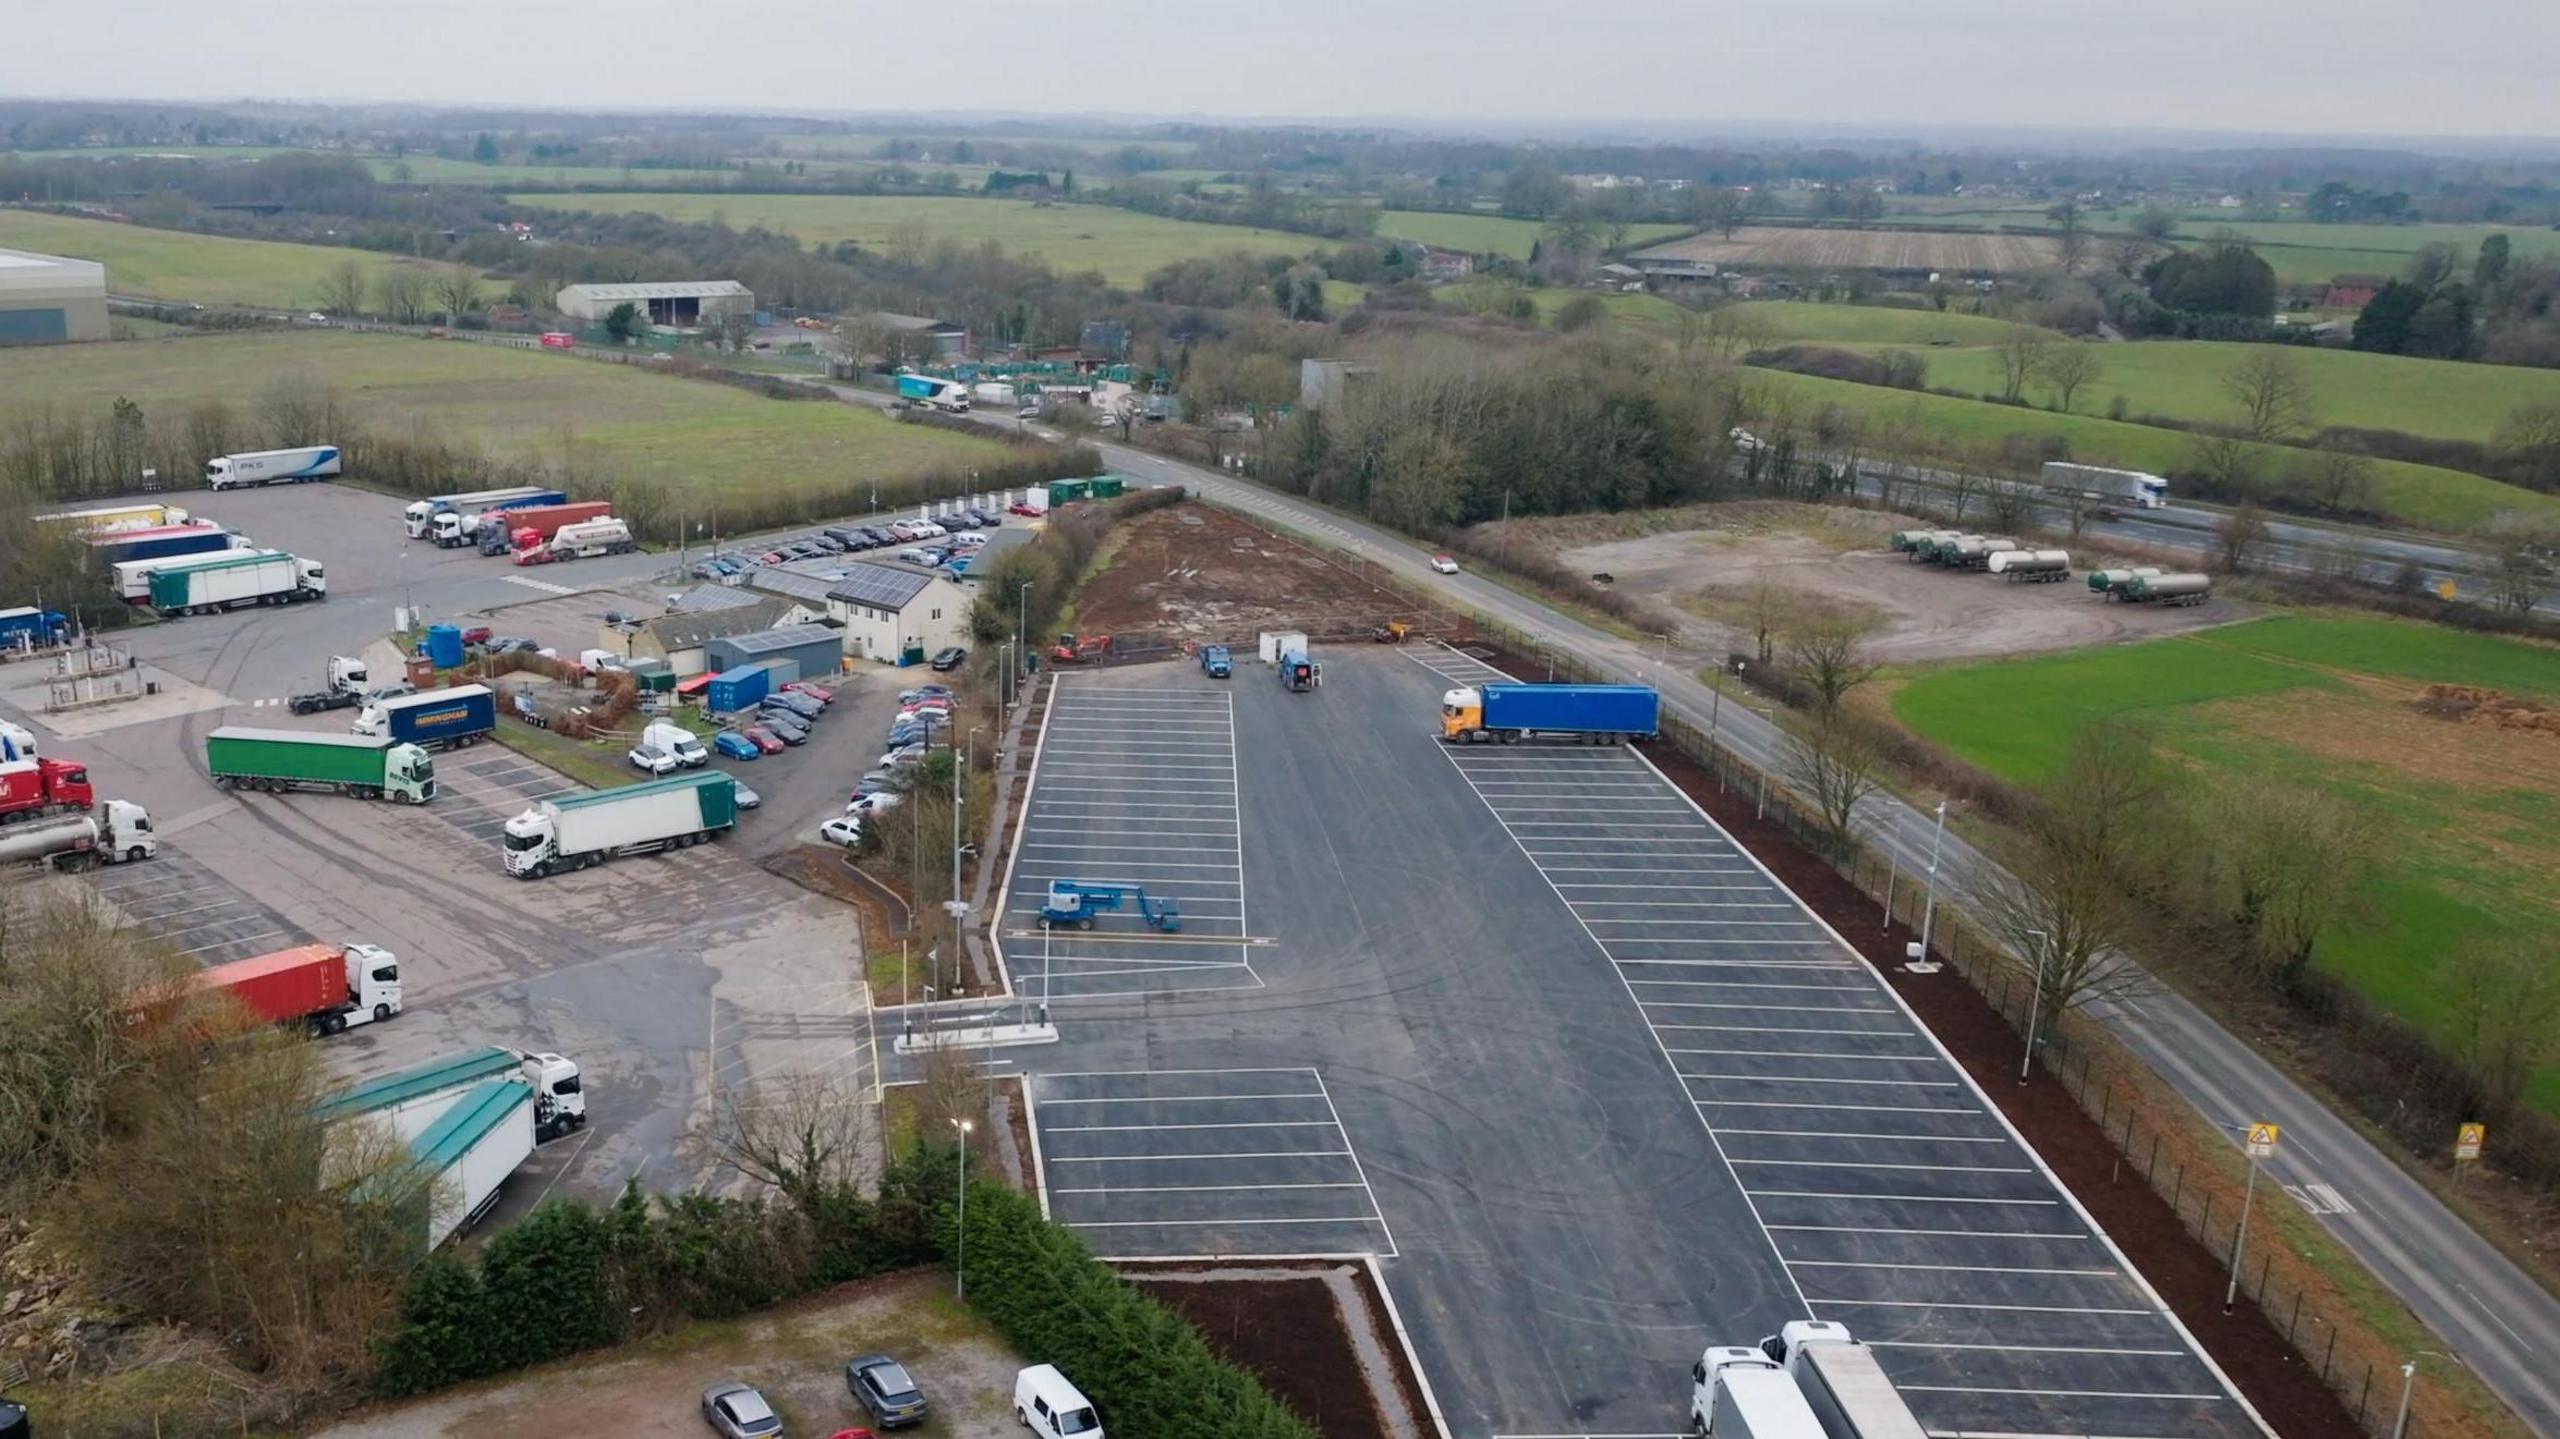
pixel 1197 574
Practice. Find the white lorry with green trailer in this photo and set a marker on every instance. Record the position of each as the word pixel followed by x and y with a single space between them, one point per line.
pixel 277 760
pixel 410 1101
pixel 254 577
pixel 575 831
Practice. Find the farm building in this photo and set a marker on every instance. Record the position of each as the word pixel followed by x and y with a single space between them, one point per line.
pixel 939 339
pixel 817 649
pixel 899 613
pixel 46 300
pixel 674 304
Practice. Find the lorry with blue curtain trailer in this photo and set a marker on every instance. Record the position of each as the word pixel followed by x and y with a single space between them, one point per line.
pixel 433 719
pixel 29 628
pixel 160 542
pixel 1600 714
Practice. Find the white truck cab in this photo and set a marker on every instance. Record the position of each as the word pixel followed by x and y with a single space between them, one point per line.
pixel 1737 1392
pixel 347 675
pixel 373 984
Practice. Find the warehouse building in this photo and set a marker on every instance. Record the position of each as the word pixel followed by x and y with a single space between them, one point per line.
pixel 899 614
pixel 817 649
pixel 680 639
pixel 673 304
pixel 48 300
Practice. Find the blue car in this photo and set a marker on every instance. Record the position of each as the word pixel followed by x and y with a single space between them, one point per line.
pixel 735 745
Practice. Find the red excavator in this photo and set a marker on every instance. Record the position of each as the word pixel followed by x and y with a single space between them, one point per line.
pixel 1080 649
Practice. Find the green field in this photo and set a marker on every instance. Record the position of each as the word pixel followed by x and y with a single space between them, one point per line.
pixel 1123 244
pixel 2423 495
pixel 437 170
pixel 517 404
pixel 1491 234
pixel 2470 814
pixel 2447 399
pixel 175 265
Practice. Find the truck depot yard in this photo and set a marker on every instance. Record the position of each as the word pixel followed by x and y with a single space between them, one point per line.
pixel 1603 1089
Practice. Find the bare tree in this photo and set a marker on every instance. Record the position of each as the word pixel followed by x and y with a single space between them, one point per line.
pixel 2521 555
pixel 2021 353
pixel 342 290
pixel 2286 862
pixel 908 241
pixel 403 294
pixel 2070 233
pixel 1828 651
pixel 1733 330
pixel 1838 767
pixel 457 290
pixel 1765 607
pixel 2228 464
pixel 2061 900
pixel 2335 480
pixel 2009 504
pixel 2274 398
pixel 950 1087
pixel 804 1135
pixel 2528 443
pixel 2506 1014
pixel 1962 483
pixel 2072 365
pixel 2239 540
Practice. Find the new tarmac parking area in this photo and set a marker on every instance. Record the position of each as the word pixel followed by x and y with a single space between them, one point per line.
pixel 1594 1087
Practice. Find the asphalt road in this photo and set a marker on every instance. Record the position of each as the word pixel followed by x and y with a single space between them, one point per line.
pixel 2493 1315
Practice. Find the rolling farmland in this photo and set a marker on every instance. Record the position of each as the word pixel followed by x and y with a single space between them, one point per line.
pixel 176 265
pixel 1766 247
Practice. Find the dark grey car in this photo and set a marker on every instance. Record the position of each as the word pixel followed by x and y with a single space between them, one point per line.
pixel 884 1387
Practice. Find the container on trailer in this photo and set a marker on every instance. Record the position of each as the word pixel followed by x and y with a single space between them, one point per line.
pixel 327 986
pixel 444 646
pixel 116 517
pixel 1068 491
pixel 436 719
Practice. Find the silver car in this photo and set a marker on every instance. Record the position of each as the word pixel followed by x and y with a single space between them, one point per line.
pixel 737 1411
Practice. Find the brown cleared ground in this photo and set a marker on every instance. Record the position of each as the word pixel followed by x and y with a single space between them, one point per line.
pixel 1757 247
pixel 1194 574
pixel 1316 1335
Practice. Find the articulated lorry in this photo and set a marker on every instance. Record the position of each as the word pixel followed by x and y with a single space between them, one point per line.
pixel 271 467
pixel 1739 1393
pixel 162 542
pixel 228 582
pixel 433 719
pixel 278 760
pixel 117 832
pixel 30 789
pixel 584 540
pixel 2129 487
pixel 1600 714
pixel 25 627
pixel 948 395
pixel 1841 1382
pixel 328 987
pixel 133 577
pixel 411 1100
pixel 498 532
pixel 575 831
pixel 419 516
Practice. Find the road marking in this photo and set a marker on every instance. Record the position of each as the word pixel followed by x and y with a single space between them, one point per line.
pixel 2030 1349
pixel 1204 1188
pixel 1921 1233
pixel 1178 1098
pixel 543 585
pixel 1839 1134
pixel 1259 1154
pixel 1866 1164
pixel 1902 1198
pixel 1230 1124
pixel 1956 1268
pixel 1987 1308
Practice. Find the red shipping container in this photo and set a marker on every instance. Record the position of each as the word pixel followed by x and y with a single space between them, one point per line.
pixel 286 985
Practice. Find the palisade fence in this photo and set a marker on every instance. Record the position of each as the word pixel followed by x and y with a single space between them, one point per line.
pixel 2159 1137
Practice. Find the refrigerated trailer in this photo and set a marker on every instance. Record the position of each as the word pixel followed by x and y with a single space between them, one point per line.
pixel 575 831
pixel 246 577
pixel 271 467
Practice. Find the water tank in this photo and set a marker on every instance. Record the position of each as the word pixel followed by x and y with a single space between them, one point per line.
pixel 444 646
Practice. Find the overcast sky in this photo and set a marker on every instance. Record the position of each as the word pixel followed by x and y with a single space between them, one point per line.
pixel 2476 67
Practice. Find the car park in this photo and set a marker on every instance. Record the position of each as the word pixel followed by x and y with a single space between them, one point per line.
pixel 765 740
pixel 735 745
pixel 736 1411
pixel 951 659
pixel 652 759
pixel 883 1386
pixel 846 831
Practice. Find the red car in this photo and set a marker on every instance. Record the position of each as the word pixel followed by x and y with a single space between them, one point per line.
pixel 813 690
pixel 763 739
pixel 1023 510
pixel 771 557
pixel 478 635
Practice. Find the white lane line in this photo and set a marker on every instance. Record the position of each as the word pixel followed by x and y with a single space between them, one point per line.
pixel 1920 1168
pixel 1808 1054
pixel 1257 1154
pixel 1356 1166
pixel 1905 1198
pixel 1844 1134
pixel 1673 904
pixel 1355 1220
pixel 2032 1348
pixel 1811 1079
pixel 1756 1009
pixel 1203 1188
pixel 2054 1394
pixel 1774 1029
pixel 1986 1308
pixel 1176 1098
pixel 1147 1128
pixel 1836 1108
pixel 1924 1233
pixel 1953 1268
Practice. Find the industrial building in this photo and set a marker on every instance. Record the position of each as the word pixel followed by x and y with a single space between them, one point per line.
pixel 680 639
pixel 672 304
pixel 899 614
pixel 817 649
pixel 47 300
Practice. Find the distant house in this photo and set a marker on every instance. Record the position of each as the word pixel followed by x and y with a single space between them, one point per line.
pixel 1615 273
pixel 1668 267
pixel 1447 264
pixel 804 595
pixel 2349 293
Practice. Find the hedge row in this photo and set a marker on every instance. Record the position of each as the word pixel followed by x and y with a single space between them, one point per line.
pixel 1145 1368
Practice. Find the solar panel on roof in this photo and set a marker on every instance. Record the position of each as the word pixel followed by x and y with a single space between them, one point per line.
pixel 880 585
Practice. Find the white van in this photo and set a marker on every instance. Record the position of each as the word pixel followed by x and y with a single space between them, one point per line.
pixel 1047 1405
pixel 968 540
pixel 678 741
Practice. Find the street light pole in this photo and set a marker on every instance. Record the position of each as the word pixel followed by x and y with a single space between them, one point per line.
pixel 1771 715
pixel 960 1263
pixel 2240 1241
pixel 2035 993
pixel 2409 1387
pixel 1929 909
pixel 1715 726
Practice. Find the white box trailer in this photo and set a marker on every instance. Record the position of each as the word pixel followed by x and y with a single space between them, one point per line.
pixel 133 577
pixel 2133 487
pixel 236 578
pixel 467 1154
pixel 574 831
pixel 268 467
pixel 410 1101
pixel 1276 643
pixel 1842 1382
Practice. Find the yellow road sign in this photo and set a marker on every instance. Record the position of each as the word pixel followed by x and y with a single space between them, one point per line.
pixel 2262 1140
pixel 2468 1139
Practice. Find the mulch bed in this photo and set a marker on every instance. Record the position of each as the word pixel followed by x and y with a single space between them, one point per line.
pixel 1288 1333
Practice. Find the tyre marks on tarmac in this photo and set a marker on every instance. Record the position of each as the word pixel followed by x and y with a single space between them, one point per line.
pixel 173 897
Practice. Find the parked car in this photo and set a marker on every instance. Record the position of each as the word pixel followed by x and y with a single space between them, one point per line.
pixel 901 757
pixel 396 689
pixel 826 544
pixel 1023 509
pixel 846 831
pixel 878 781
pixel 963 520
pixel 928 530
pixel 805 706
pixel 903 529
pixel 705 570
pixel 911 695
pixel 652 759
pixel 994 518
pixel 765 740
pixel 884 1387
pixel 747 798
pixel 787 728
pixel 476 635
pixel 771 557
pixel 814 690
pixel 877 802
pixel 737 1411
pixel 951 659
pixel 968 543
pixel 735 745
pixel 1444 564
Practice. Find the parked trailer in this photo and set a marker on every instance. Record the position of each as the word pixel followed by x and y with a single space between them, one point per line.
pixel 118 832
pixel 410 1101
pixel 2107 582
pixel 1973 551
pixel 2132 487
pixel 25 627
pixel 582 541
pixel 498 532
pixel 252 577
pixel 465 1157
pixel 433 719
pixel 161 542
pixel 133 577
pixel 326 987
pixel 278 760
pixel 419 516
pixel 576 831
pixel 269 467
pixel 116 517
pixel 1602 714
pixel 1935 548
pixel 2188 589
pixel 1739 1393
pixel 2033 567
pixel 1841 1382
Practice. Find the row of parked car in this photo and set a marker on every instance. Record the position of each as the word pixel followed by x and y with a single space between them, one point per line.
pixel 781 719
pixel 924 714
pixel 845 539
pixel 1044 1402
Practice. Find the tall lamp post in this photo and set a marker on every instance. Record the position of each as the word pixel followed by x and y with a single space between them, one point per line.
pixel 2409 1386
pixel 2035 994
pixel 1769 713
pixel 1918 953
pixel 960 1264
